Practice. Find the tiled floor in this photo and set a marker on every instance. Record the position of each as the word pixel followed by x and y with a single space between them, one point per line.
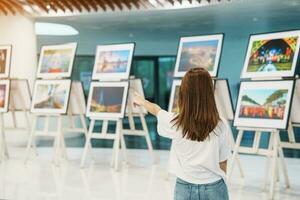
pixel 139 180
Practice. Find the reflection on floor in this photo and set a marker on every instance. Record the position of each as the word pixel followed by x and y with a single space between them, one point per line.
pixel 139 180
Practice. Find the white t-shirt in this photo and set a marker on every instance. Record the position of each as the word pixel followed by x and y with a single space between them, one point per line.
pixel 193 161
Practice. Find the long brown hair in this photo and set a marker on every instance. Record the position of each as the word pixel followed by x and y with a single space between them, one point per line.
pixel 198 114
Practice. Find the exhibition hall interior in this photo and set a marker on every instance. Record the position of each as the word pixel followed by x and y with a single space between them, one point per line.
pixel 71 72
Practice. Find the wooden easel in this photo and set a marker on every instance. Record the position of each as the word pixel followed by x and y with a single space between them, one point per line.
pixel 225 108
pixel 138 112
pixel 3 145
pixel 76 108
pixel 273 152
pixel 59 142
pixel 19 101
pixel 105 135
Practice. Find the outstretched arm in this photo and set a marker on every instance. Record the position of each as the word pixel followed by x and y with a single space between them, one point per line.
pixel 150 107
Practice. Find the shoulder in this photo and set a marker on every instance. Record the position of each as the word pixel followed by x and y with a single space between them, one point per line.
pixel 163 115
pixel 222 127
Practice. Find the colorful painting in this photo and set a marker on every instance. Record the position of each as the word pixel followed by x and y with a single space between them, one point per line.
pixel 264 104
pixel 51 96
pixel 57 61
pixel 173 104
pixel 272 55
pixel 107 99
pixel 199 51
pixel 5 55
pixel 4 94
pixel 113 61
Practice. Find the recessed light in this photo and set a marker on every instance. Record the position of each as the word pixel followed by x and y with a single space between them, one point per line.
pixel 42 28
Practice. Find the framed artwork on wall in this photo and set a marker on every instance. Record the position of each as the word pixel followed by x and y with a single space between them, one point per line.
pixel 272 55
pixel 56 61
pixel 264 104
pixel 107 99
pixel 113 62
pixel 199 51
pixel 51 96
pixel 5 60
pixel 4 95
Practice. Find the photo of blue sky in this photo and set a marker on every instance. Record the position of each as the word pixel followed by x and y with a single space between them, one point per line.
pixel 213 43
pixel 259 95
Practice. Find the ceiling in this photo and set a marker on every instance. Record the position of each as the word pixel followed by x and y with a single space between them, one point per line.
pixel 71 7
pixel 163 28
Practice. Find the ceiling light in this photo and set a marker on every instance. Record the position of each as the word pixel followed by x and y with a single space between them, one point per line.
pixel 54 29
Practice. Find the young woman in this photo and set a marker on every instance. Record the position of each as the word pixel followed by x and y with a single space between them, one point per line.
pixel 200 139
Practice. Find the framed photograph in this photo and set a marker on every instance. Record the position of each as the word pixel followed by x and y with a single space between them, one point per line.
pixel 5 58
pixel 107 99
pixel 51 96
pixel 135 85
pixel 272 55
pixel 20 95
pixel 173 103
pixel 199 51
pixel 4 95
pixel 56 61
pixel 113 62
pixel 264 104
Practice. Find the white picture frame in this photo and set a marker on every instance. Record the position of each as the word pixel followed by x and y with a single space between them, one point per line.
pixel 118 87
pixel 295 114
pixel 256 110
pixel 135 85
pixel 20 95
pixel 5 60
pixel 223 99
pixel 113 52
pixel 4 95
pixel 43 70
pixel 174 95
pixel 265 59
pixel 214 50
pixel 61 91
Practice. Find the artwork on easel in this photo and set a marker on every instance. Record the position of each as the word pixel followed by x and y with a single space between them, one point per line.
pixel 107 99
pixel 264 104
pixel 20 88
pixel 173 103
pixel 295 114
pixel 199 51
pixel 77 105
pixel 135 85
pixel 56 61
pixel 51 96
pixel 4 95
pixel 272 55
pixel 223 99
pixel 5 58
pixel 113 61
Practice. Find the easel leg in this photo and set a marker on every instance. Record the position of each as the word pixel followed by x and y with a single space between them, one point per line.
pixel 283 165
pixel 59 146
pixel 83 123
pixel 274 165
pixel 87 143
pixel 235 152
pixel 123 147
pixel 117 141
pixel 4 144
pixel 148 139
pixel 30 139
pixel 267 169
pixel 27 118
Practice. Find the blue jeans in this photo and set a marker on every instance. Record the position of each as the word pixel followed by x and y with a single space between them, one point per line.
pixel 212 191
